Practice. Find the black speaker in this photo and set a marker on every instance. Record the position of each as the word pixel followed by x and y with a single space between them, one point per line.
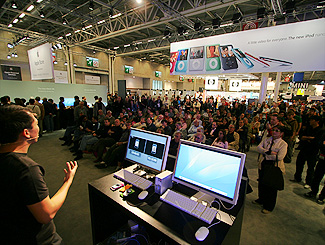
pixel 216 23
pixel 197 26
pixel 121 88
pixel 236 18
pixel 261 12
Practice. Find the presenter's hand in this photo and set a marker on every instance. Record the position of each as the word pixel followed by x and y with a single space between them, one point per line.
pixel 70 171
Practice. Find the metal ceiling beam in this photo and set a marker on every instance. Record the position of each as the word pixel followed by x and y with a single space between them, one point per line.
pixel 187 13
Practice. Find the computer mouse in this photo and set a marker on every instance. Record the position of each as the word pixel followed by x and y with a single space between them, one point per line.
pixel 143 195
pixel 201 233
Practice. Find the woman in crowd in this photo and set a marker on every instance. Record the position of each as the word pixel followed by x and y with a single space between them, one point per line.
pixel 220 141
pixel 272 151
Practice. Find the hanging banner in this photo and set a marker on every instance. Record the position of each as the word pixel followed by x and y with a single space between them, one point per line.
pixel 235 85
pixel 211 83
pixel 291 47
pixel 41 62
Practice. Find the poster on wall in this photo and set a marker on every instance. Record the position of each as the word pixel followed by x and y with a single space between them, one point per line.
pixel 11 72
pixel 283 48
pixel 211 83
pixel 41 62
pixel 92 79
pixel 61 76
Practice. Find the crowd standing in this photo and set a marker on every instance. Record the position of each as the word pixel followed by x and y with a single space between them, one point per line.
pixel 278 128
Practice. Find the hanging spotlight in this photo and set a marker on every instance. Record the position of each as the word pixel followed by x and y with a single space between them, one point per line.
pixel 64 22
pixel 10 45
pixel 216 23
pixel 236 18
pixel 8 56
pixel 290 7
pixel 41 14
pixel 91 6
pixel 65 63
pixel 83 27
pixel 55 62
pixel 14 5
pixel 74 64
pixel 197 26
pixel 16 55
pixel 110 13
pixel 180 30
pixel 261 13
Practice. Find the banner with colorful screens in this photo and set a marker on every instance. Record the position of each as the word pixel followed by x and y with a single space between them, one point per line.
pixel 291 47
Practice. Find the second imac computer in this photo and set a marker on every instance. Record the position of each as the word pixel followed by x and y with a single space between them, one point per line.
pixel 147 149
pixel 214 171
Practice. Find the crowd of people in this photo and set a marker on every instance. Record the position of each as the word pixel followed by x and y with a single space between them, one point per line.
pixel 277 128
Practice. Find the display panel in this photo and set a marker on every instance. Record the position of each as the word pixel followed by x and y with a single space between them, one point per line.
pixel 211 170
pixel 148 149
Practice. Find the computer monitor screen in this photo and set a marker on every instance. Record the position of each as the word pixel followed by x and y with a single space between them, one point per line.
pixel 148 149
pixel 211 170
pixel 68 101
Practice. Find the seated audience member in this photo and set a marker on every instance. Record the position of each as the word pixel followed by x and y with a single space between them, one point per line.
pixel 221 141
pixel 199 130
pixel 150 126
pixel 242 130
pixel 174 144
pixel 141 124
pixel 232 138
pixel 193 129
pixel 199 137
pixel 179 129
pixel 212 133
pixel 167 129
pixel 116 153
pixel 113 135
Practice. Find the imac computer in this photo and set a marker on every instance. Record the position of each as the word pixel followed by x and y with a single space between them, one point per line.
pixel 212 171
pixel 147 149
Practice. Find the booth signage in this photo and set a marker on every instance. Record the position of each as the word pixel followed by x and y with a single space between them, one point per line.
pixel 92 79
pixel 299 85
pixel 61 76
pixel 11 72
pixel 283 48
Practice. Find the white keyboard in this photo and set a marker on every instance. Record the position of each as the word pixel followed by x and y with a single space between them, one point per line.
pixel 133 179
pixel 189 206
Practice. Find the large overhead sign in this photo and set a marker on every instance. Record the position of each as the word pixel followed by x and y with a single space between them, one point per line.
pixel 41 62
pixel 291 47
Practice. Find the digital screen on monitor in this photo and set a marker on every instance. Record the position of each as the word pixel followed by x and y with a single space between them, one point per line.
pixel 148 149
pixel 209 169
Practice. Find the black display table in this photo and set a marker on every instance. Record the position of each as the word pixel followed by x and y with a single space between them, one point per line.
pixel 109 212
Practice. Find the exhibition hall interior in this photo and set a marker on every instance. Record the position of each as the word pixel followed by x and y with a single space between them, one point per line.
pixel 184 108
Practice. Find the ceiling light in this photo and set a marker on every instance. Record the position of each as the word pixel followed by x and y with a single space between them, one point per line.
pixel 151 40
pixel 116 15
pixel 39 1
pixel 14 5
pixel 127 45
pixel 65 63
pixel 207 28
pixel 10 25
pixel 88 26
pixel 30 8
pixel 60 37
pixel 8 56
pixel 139 1
pixel 100 22
pixel 59 45
pixel 41 14
pixel 91 6
pixel 22 15
pixel 116 47
pixel 16 55
pixel 227 24
pixel 69 34
pixel 55 62
pixel 74 64
pixel 10 45
pixel 94 51
pixel 12 54
pixel 64 22
pixel 76 31
pixel 15 21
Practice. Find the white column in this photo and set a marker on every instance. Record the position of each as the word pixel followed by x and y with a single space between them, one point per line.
pixel 67 58
pixel 265 76
pixel 72 69
pixel 277 86
pixel 111 77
